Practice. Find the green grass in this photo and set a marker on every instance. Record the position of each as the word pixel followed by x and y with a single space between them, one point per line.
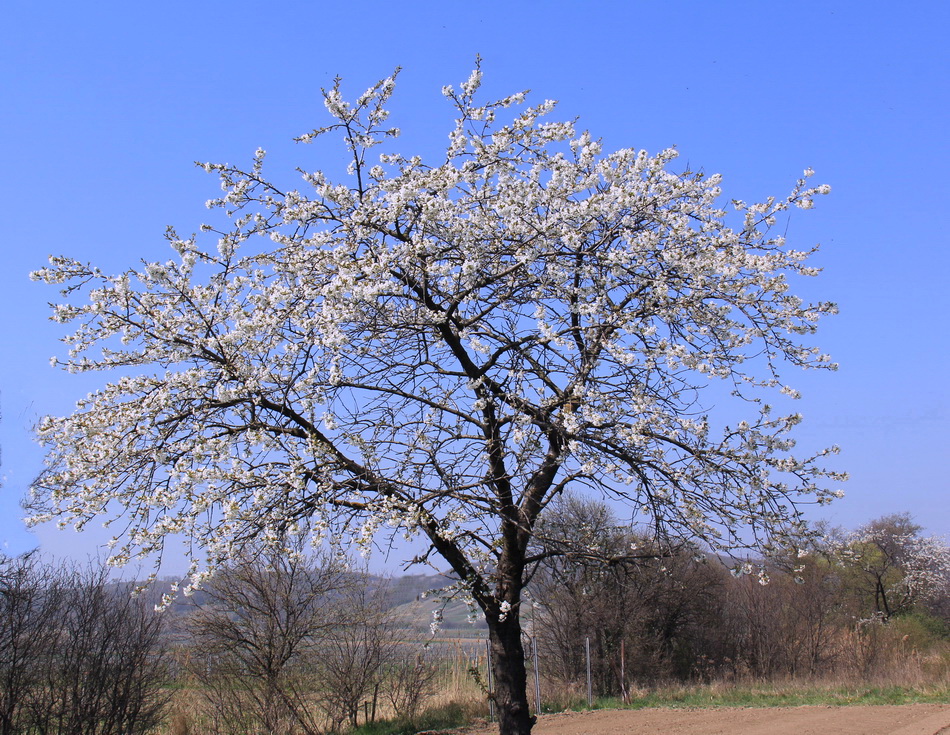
pixel 765 695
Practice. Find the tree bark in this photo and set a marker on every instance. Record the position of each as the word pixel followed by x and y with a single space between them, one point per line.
pixel 511 676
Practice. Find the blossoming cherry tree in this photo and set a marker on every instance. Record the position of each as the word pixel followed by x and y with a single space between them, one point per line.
pixel 439 349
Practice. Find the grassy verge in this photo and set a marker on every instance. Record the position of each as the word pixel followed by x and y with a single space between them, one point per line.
pixel 769 695
pixel 788 696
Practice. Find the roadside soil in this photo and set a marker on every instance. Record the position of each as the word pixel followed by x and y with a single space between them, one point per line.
pixel 908 719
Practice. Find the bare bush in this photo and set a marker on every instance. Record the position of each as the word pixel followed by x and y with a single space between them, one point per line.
pixel 80 654
pixel 255 637
pixel 411 679
pixel 30 607
pixel 354 657
pixel 788 627
pixel 108 673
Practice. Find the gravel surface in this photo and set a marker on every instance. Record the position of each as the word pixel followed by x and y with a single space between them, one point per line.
pixel 910 719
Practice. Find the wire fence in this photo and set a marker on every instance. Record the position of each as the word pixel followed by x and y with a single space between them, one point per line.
pixel 547 688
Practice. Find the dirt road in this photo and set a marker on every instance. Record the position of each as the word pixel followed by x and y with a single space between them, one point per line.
pixel 911 719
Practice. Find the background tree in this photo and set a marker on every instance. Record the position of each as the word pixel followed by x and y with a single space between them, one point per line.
pixel 891 568
pixel 659 601
pixel 78 652
pixel 31 606
pixel 442 348
pixel 583 588
pixel 255 639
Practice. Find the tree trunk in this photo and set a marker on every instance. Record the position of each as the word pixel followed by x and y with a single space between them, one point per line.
pixel 511 676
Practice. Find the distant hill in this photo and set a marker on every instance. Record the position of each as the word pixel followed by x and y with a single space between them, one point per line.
pixel 406 596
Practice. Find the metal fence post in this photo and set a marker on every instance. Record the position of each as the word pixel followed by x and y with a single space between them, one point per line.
pixel 623 674
pixel 537 677
pixel 491 685
pixel 590 686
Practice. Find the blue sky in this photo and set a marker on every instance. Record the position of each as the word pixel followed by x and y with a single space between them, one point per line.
pixel 107 105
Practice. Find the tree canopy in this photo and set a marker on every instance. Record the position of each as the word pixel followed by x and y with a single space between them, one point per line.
pixel 892 567
pixel 441 348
